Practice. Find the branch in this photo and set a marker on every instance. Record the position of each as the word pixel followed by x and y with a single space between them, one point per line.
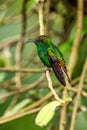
pixel 20 43
pixel 9 42
pixel 32 70
pixel 78 96
pixel 40 11
pixel 38 103
pixel 17 115
pixel 23 89
pixel 15 39
pixel 48 18
pixel 27 110
pixel 51 87
pixel 40 2
pixel 76 42
pixel 36 83
pixel 75 90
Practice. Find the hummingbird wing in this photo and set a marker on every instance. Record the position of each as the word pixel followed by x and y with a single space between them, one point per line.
pixel 64 69
pixel 61 61
pixel 56 67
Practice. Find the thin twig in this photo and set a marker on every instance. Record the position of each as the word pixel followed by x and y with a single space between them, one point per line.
pixel 27 110
pixel 9 42
pixel 31 70
pixel 76 42
pixel 75 90
pixel 18 55
pixel 48 17
pixel 25 88
pixel 51 87
pixel 40 2
pixel 18 115
pixel 63 112
pixel 11 105
pixel 20 44
pixel 31 86
pixel 40 11
pixel 38 103
pixel 78 96
pixel 13 41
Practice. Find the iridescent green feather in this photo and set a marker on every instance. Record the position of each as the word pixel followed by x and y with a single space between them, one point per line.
pixel 51 56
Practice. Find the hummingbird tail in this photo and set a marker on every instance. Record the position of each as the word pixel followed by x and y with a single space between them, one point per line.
pixel 57 69
pixel 59 73
pixel 65 73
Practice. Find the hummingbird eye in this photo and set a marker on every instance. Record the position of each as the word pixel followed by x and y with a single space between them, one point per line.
pixel 41 40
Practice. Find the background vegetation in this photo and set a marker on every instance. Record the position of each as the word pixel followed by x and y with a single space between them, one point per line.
pixel 23 84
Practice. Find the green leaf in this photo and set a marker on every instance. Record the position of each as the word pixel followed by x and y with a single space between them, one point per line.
pixel 2 76
pixel 47 113
pixel 20 105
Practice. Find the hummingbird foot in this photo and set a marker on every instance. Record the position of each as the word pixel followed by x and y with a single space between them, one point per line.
pixel 48 69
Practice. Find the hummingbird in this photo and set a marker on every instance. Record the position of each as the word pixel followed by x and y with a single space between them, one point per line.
pixel 51 57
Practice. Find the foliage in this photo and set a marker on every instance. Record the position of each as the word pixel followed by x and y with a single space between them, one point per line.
pixel 60 25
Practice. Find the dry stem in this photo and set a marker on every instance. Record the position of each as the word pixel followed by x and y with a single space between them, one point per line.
pixel 78 96
pixel 25 88
pixel 31 70
pixel 41 33
pixel 20 44
pixel 18 115
pixel 40 11
pixel 51 87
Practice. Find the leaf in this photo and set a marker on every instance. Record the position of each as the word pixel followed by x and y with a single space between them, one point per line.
pixel 47 113
pixel 2 92
pixel 18 107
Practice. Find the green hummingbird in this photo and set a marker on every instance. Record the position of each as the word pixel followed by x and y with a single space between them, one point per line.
pixel 51 57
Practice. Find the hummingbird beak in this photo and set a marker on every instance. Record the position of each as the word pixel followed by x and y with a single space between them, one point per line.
pixel 28 41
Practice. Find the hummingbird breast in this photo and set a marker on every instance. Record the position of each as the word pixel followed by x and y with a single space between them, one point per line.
pixel 44 57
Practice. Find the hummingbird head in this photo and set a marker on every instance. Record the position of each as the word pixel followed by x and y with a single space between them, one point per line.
pixel 41 40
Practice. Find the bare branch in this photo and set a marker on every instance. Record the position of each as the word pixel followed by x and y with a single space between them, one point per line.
pixel 51 87
pixel 32 70
pixel 20 43
pixel 17 115
pixel 78 96
pixel 23 89
pixel 40 11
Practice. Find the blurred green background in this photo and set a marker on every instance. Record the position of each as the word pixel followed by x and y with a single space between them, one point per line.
pixel 60 24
